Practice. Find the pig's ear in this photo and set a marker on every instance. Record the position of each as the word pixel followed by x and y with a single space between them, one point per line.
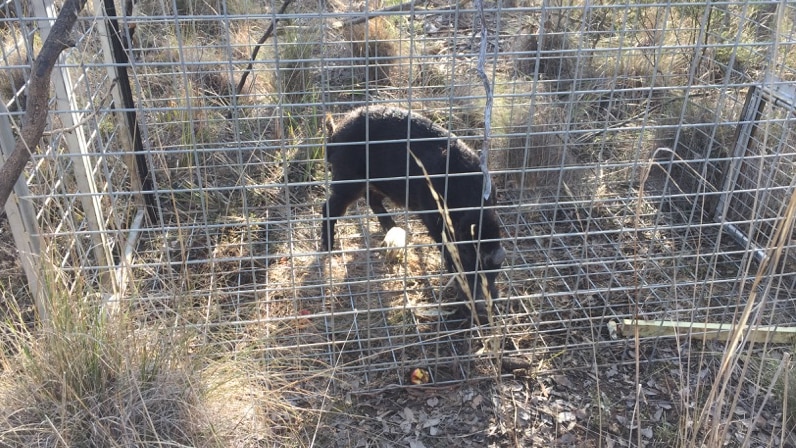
pixel 330 128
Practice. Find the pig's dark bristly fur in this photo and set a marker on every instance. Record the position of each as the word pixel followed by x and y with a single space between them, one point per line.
pixel 370 146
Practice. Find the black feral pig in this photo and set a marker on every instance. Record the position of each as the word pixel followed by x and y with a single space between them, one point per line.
pixel 367 151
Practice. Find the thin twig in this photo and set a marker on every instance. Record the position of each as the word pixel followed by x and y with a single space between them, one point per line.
pixel 257 47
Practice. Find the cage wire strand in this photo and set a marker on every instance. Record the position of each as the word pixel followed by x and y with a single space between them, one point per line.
pixel 641 156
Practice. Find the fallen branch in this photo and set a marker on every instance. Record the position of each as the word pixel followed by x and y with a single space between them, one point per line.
pixel 408 6
pixel 709 331
pixel 35 118
pixel 372 14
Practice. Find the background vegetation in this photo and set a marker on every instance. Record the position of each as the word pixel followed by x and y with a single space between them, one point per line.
pixel 235 333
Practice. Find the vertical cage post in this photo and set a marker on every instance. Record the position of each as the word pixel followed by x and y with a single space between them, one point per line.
pixel 71 118
pixel 129 137
pixel 116 61
pixel 22 218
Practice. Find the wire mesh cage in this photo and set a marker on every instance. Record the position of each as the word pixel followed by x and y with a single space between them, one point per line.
pixel 79 175
pixel 642 158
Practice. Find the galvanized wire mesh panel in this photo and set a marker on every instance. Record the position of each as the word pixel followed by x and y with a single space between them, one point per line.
pixel 760 177
pixel 76 176
pixel 613 135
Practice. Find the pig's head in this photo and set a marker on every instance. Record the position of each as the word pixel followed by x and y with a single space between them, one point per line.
pixel 480 252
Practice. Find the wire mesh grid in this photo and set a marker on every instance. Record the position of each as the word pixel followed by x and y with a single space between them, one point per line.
pixel 79 175
pixel 613 135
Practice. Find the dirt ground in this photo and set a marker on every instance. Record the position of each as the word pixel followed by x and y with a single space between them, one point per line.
pixel 554 385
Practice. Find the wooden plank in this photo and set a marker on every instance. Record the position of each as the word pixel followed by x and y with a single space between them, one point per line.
pixel 21 215
pixel 708 331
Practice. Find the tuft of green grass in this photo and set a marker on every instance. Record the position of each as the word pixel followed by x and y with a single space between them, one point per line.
pixel 299 126
pixel 304 161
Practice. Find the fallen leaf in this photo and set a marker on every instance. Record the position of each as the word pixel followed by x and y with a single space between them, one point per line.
pixel 431 422
pixel 562 380
pixel 566 439
pixel 565 416
pixel 414 443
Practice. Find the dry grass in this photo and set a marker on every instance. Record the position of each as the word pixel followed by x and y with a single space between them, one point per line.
pixel 235 315
pixel 686 141
pixel 538 156
pixel 89 379
pixel 376 44
pixel 12 81
pixel 551 54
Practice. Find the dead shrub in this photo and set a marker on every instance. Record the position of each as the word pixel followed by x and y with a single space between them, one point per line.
pixel 551 54
pixel 536 157
pixel 375 43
